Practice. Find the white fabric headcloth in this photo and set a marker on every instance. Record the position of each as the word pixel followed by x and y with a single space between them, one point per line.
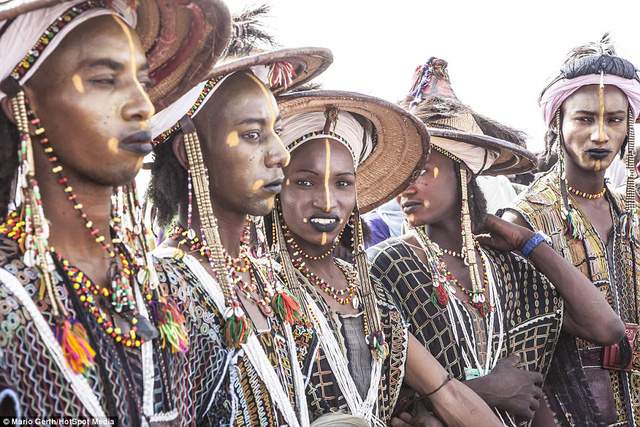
pixel 22 35
pixel 553 97
pixel 477 159
pixel 304 127
pixel 166 121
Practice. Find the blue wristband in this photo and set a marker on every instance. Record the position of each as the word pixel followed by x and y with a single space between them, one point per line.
pixel 537 238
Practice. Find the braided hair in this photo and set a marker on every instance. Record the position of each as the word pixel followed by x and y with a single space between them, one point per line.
pixel 477 201
pixel 168 185
pixel 9 140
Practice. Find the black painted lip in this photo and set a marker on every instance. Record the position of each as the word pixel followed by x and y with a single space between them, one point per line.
pixel 138 142
pixel 599 153
pixel 325 228
pixel 410 206
pixel 274 186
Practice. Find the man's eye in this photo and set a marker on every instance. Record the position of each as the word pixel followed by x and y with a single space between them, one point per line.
pixel 303 183
pixel 251 136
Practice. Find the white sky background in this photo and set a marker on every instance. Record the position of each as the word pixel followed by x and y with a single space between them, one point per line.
pixel 500 53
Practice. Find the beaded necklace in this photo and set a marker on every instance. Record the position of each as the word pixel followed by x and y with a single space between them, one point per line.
pixel 443 277
pixel 338 295
pixel 235 267
pixel 487 303
pixel 452 253
pixel 297 250
pixel 126 268
pixel 586 195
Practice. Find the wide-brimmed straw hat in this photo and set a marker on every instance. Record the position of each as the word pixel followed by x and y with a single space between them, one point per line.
pixel 306 62
pixel 400 141
pixel 281 70
pixel 433 101
pixel 182 39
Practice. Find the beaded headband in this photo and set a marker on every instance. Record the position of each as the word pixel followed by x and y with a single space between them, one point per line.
pixel 275 75
pixel 31 58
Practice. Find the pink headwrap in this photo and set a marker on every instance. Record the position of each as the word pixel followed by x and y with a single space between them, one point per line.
pixel 553 97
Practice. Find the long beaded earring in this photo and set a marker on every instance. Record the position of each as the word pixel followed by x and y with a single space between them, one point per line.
pixel 575 225
pixel 374 334
pixel 33 229
pixel 628 221
pixel 478 283
pixel 237 326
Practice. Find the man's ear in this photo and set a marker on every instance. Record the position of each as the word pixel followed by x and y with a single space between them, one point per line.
pixel 180 151
pixel 5 104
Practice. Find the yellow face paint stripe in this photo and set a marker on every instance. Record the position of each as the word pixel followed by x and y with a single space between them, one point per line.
pixel 601 136
pixel 327 170
pixel 132 52
pixel 267 94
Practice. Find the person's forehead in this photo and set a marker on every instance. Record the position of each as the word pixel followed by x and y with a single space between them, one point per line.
pixel 590 94
pixel 316 150
pixel 99 38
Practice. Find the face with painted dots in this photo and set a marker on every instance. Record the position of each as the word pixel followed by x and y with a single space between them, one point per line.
pixel 594 126
pixel 319 193
pixel 239 132
pixel 434 195
pixel 90 97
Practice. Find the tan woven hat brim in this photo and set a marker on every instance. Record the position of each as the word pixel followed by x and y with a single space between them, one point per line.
pixel 401 141
pixel 167 29
pixel 308 63
pixel 512 159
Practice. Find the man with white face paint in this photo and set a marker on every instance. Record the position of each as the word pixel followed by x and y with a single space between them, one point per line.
pixel 590 108
pixel 88 330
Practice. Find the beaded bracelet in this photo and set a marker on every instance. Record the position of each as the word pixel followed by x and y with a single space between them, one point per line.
pixel 444 383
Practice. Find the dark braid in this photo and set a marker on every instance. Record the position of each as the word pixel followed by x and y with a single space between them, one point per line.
pixel 9 139
pixel 168 186
pixel 477 201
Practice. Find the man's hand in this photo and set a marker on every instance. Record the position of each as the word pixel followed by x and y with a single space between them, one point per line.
pixel 509 388
pixel 502 235
pixel 417 417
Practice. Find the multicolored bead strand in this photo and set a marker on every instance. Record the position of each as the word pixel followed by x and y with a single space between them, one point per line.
pixel 586 195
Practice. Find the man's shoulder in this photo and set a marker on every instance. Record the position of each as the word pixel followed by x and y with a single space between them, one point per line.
pixel 544 191
pixel 389 246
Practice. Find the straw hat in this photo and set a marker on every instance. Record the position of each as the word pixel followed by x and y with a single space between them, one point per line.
pixel 400 141
pixel 307 63
pixel 182 40
pixel 433 101
pixel 283 69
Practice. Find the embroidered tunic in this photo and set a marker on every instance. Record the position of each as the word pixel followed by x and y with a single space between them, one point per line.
pixel 531 309
pixel 34 373
pixel 616 273
pixel 324 395
pixel 242 390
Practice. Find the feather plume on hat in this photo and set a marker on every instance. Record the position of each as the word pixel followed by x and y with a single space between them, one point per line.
pixel 249 34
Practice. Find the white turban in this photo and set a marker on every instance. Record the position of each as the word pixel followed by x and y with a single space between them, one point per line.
pixel 304 127
pixel 477 159
pixel 21 36
pixel 166 121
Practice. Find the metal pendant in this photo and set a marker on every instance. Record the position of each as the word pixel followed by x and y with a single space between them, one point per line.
pixel 146 330
pixel 266 310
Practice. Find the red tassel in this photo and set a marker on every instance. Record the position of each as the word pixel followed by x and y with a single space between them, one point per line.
pixel 286 307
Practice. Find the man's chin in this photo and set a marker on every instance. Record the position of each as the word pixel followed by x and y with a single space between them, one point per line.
pixel 261 208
